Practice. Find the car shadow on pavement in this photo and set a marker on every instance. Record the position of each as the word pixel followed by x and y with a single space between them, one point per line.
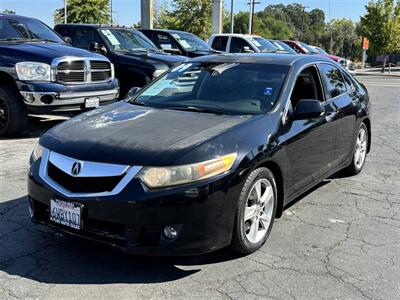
pixel 45 255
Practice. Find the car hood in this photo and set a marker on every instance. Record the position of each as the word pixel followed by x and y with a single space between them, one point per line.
pixel 203 53
pixel 41 51
pixel 157 57
pixel 123 133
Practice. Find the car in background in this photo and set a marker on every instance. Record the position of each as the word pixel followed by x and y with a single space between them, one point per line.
pixel 240 43
pixel 206 156
pixel 40 74
pixel 178 42
pixel 283 47
pixel 346 63
pixel 136 59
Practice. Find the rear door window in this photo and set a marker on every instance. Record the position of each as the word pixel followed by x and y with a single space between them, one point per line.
pixel 219 43
pixel 333 80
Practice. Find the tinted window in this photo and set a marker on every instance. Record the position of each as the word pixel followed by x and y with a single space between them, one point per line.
pixel 63 31
pixel 238 44
pixel 219 43
pixel 349 82
pixel 333 79
pixel 229 88
pixel 84 37
pixel 163 41
pixel 26 29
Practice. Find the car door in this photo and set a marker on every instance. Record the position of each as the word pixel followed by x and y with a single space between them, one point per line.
pixel 343 97
pixel 310 142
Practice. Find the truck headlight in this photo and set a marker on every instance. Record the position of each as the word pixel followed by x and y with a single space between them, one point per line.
pixel 33 71
pixel 36 153
pixel 157 177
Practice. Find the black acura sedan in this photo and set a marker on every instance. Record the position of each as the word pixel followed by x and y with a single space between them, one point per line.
pixel 206 156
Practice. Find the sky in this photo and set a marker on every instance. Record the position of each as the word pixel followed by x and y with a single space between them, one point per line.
pixel 127 12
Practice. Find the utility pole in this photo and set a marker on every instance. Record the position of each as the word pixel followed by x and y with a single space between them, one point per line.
pixel 302 23
pixel 65 11
pixel 232 17
pixel 252 3
pixel 330 27
pixel 111 11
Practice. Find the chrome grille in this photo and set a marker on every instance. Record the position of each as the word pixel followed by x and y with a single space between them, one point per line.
pixel 83 71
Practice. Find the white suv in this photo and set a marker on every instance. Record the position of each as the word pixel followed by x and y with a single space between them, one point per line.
pixel 240 43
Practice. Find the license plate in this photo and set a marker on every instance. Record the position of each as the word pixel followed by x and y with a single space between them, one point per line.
pixel 92 102
pixel 65 213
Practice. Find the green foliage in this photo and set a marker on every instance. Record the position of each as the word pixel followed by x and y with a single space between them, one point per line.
pixel 381 25
pixel 187 15
pixel 84 11
pixel 8 12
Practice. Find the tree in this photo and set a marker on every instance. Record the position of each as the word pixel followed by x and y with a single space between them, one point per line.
pixel 84 11
pixel 8 12
pixel 187 15
pixel 381 25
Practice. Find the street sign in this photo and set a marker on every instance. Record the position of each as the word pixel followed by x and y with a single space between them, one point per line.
pixel 365 43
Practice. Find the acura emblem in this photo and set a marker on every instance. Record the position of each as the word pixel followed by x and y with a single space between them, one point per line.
pixel 76 168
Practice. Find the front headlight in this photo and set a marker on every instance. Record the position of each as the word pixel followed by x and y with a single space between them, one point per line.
pixel 157 177
pixel 36 153
pixel 33 71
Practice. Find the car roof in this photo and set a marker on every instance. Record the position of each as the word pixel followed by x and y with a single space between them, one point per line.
pixel 236 34
pixel 261 58
pixel 165 30
pixel 94 26
pixel 16 17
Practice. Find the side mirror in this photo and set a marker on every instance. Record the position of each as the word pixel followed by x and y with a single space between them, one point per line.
pixel 133 92
pixel 246 49
pixel 68 40
pixel 308 109
pixel 96 47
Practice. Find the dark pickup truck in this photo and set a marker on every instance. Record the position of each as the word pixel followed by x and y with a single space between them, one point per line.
pixel 40 74
pixel 136 59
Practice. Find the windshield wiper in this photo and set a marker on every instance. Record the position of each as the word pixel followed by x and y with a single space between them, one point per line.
pixel 198 109
pixel 43 40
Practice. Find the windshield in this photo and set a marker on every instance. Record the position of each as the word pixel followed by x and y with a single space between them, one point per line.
pixel 263 45
pixel 226 88
pixel 283 47
pixel 308 48
pixel 26 29
pixel 320 50
pixel 127 40
pixel 191 42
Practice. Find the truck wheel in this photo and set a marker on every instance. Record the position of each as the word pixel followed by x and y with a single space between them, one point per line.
pixel 13 115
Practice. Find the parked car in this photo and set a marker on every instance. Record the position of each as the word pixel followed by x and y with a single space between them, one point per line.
pixel 40 74
pixel 178 42
pixel 137 61
pixel 283 46
pixel 204 157
pixel 346 63
pixel 240 43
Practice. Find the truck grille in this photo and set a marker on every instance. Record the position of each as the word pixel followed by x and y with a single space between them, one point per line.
pixel 83 71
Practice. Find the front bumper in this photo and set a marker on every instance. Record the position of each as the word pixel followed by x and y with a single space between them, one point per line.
pixel 133 220
pixel 55 98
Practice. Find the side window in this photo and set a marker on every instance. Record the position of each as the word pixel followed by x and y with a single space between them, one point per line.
pixel 162 41
pixel 238 44
pixel 349 83
pixel 333 79
pixel 63 31
pixel 307 86
pixel 219 43
pixel 84 37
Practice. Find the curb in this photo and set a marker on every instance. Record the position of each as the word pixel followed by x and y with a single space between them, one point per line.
pixel 378 74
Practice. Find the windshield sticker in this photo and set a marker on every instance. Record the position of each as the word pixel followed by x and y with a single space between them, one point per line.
pixel 268 91
pixel 158 87
pixel 256 43
pixel 184 44
pixel 181 68
pixel 113 40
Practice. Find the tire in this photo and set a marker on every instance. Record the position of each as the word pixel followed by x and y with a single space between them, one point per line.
pixel 247 236
pixel 13 114
pixel 356 165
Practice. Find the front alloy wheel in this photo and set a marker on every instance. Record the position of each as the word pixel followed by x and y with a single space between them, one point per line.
pixel 360 151
pixel 256 211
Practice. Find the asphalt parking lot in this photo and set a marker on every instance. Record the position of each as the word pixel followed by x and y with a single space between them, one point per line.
pixel 340 241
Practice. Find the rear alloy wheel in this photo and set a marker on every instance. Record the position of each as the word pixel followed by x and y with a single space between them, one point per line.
pixel 360 151
pixel 13 115
pixel 256 212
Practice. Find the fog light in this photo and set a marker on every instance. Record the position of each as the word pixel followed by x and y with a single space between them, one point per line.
pixel 170 232
pixel 47 99
pixel 28 97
